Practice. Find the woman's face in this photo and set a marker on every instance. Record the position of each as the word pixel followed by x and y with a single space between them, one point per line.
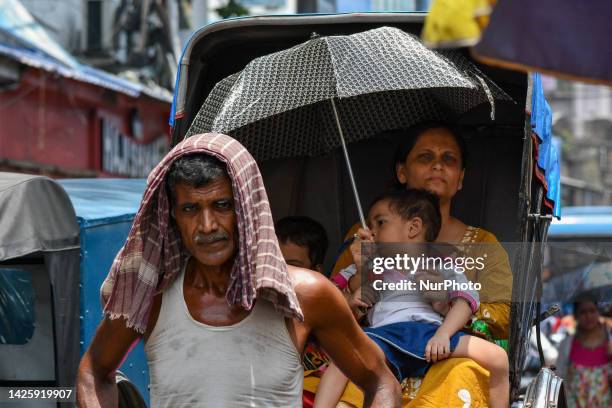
pixel 587 316
pixel 433 164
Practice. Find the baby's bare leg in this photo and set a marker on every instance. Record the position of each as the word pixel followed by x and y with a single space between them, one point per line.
pixel 330 388
pixel 494 359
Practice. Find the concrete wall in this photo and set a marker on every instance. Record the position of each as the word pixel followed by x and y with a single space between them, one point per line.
pixel 63 20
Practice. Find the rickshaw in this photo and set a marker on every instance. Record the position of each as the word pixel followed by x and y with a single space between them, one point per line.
pixel 509 189
pixel 57 242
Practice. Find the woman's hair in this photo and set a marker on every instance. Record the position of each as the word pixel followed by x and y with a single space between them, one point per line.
pixel 410 203
pixel 412 134
pixel 584 299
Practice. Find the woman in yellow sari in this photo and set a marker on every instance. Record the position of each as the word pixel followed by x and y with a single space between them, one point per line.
pixel 433 158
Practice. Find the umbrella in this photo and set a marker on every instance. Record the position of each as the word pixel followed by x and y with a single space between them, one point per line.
pixel 578 268
pixel 329 91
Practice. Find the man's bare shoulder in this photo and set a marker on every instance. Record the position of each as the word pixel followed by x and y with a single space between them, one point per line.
pixel 307 282
pixel 317 295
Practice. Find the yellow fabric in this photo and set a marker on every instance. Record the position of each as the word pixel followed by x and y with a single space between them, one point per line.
pixel 451 383
pixel 496 281
pixel 453 23
pixel 497 317
pixel 352 394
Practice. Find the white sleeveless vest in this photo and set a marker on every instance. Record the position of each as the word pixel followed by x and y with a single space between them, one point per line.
pixel 252 363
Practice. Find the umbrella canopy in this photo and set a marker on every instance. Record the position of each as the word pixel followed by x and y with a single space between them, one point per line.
pixel 579 268
pixel 381 79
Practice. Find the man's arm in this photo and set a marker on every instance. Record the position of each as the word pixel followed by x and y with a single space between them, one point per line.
pixel 96 385
pixel 331 321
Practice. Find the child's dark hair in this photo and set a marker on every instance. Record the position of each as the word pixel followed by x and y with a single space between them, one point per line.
pixel 305 232
pixel 410 203
pixel 412 134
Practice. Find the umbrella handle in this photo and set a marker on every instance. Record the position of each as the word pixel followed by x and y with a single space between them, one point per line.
pixel 347 160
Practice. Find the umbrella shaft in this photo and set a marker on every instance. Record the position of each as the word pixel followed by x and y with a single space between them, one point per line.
pixel 347 160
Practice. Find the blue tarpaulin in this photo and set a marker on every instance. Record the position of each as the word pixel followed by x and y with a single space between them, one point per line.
pixel 99 201
pixel 548 159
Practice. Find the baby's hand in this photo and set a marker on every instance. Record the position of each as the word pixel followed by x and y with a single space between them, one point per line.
pixel 438 347
pixel 362 235
pixel 358 306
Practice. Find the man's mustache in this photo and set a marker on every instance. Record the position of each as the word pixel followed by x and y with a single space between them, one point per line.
pixel 200 239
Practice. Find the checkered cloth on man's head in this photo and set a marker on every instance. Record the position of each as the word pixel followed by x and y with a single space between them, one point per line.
pixel 153 254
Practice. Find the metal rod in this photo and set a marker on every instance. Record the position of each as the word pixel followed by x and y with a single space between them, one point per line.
pixel 547 313
pixel 347 160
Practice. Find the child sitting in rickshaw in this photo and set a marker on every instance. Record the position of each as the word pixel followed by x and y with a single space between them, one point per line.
pixel 404 324
pixel 302 241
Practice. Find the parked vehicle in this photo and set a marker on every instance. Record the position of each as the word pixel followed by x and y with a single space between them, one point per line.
pixel 580 255
pixel 57 242
pixel 580 223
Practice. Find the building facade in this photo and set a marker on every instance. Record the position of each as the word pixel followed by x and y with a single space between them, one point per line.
pixel 63 118
pixel 582 118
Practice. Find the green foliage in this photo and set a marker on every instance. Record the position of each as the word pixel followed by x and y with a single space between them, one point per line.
pixel 567 139
pixel 233 8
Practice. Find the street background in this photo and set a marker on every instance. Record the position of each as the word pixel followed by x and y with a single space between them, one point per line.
pixel 72 120
pixel 86 88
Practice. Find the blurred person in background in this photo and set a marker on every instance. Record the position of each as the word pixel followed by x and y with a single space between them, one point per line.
pixel 585 358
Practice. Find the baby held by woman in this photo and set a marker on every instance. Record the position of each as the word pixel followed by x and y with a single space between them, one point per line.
pixel 406 324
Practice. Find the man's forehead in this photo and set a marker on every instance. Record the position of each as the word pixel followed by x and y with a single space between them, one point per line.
pixel 219 187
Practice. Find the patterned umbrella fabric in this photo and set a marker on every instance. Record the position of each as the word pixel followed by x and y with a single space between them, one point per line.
pixel 382 79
